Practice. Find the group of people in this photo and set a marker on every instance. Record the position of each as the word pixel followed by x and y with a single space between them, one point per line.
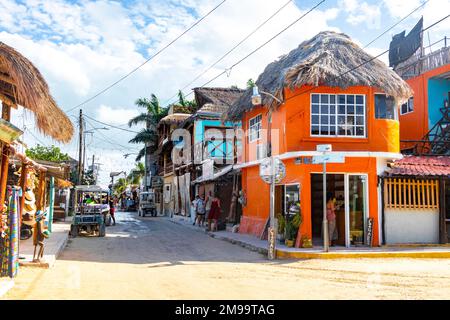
pixel 207 209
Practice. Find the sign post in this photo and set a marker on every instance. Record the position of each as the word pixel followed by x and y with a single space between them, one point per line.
pixel 272 171
pixel 324 159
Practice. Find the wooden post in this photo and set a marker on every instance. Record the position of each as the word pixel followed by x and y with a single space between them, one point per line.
pixel 41 191
pixel 23 183
pixel 6 115
pixel 443 237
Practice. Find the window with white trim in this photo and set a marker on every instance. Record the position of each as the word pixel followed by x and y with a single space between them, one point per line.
pixel 338 115
pixel 255 128
pixel 407 107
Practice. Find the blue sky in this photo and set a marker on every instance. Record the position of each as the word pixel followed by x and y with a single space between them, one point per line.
pixel 83 46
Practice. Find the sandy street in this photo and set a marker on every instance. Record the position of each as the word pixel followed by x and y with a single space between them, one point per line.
pixel 153 258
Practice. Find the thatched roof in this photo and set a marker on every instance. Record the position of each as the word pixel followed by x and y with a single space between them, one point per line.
pixel 174 118
pixel 21 83
pixel 221 98
pixel 323 60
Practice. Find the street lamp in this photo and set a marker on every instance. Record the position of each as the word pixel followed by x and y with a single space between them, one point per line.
pixel 84 145
pixel 257 101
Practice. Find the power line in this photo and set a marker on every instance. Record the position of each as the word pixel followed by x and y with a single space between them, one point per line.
pixel 260 47
pixel 148 60
pixel 365 62
pixel 394 25
pixel 110 125
pixel 106 139
pixel 231 50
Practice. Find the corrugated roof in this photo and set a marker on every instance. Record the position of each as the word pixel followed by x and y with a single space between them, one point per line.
pixel 421 166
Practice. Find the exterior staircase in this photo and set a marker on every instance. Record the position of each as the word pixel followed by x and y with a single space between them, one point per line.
pixel 437 140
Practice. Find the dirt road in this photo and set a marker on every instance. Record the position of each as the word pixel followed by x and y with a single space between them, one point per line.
pixel 153 258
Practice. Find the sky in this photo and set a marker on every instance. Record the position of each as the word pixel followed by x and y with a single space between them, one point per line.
pixel 83 46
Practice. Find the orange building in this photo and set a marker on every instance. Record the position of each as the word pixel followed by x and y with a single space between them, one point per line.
pixel 310 98
pixel 429 78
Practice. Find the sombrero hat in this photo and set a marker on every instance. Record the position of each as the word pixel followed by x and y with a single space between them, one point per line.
pixel 28 219
pixel 29 196
pixel 29 207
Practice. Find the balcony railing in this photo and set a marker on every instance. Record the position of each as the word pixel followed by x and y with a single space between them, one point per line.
pixel 420 63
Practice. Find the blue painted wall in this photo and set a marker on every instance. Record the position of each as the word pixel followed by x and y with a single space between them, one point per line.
pixel 437 93
pixel 199 133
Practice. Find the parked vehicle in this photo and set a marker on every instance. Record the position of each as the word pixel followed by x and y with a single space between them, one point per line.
pixel 147 204
pixel 91 207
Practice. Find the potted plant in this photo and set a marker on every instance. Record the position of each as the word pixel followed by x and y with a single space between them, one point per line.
pixel 293 222
pixel 281 228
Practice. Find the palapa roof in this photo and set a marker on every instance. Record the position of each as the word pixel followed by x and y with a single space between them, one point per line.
pixel 174 118
pixel 423 166
pixel 21 83
pixel 323 60
pixel 216 100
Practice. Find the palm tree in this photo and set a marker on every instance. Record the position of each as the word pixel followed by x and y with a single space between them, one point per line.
pixel 185 106
pixel 120 186
pixel 137 173
pixel 152 115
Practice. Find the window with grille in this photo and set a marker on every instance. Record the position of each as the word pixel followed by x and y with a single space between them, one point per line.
pixel 411 194
pixel 338 115
pixel 255 128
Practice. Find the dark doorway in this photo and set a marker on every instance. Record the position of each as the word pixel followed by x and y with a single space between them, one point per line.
pixel 335 184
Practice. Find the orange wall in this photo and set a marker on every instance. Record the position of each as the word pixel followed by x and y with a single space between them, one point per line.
pixel 414 125
pixel 256 212
pixel 293 122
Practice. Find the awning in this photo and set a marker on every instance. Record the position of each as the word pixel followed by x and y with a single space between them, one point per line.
pixel 216 175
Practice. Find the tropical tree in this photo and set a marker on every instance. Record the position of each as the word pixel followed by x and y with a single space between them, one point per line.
pixel 150 117
pixel 183 105
pixel 46 153
pixel 137 173
pixel 120 186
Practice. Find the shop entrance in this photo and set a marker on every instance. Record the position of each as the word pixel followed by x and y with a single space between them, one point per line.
pixel 335 184
pixel 350 191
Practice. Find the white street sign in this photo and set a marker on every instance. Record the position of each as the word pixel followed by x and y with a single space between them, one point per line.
pixel 324 148
pixel 328 158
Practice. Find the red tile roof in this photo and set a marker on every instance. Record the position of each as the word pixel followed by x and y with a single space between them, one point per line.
pixel 421 166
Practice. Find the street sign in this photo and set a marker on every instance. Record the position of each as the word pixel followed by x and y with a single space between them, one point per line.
pixel 328 158
pixel 324 147
pixel 265 170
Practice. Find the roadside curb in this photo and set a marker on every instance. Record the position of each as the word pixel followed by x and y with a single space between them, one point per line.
pixel 283 254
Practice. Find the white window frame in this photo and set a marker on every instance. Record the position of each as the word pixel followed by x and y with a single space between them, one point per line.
pixel 407 106
pixel 336 114
pixel 257 130
pixel 261 151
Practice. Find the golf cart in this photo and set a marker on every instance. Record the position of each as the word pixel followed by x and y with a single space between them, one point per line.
pixel 147 204
pixel 91 208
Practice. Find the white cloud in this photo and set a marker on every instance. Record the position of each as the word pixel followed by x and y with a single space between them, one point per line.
pixel 115 115
pixel 362 12
pixel 82 47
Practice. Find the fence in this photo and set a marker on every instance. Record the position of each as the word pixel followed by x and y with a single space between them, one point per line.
pixel 411 194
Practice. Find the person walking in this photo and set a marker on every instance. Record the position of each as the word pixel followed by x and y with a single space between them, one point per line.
pixel 200 211
pixel 112 210
pixel 214 214
pixel 331 217
pixel 194 210
pixel 208 201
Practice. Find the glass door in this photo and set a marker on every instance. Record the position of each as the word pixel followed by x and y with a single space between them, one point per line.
pixel 357 209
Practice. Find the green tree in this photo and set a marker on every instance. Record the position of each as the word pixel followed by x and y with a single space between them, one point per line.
pixel 46 153
pixel 152 115
pixel 137 173
pixel 120 186
pixel 183 105
pixel 250 83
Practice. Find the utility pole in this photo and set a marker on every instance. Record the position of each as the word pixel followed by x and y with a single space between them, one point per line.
pixel 80 149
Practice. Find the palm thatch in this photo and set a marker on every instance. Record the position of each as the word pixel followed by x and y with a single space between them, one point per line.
pixel 328 59
pixel 21 83
pixel 174 119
